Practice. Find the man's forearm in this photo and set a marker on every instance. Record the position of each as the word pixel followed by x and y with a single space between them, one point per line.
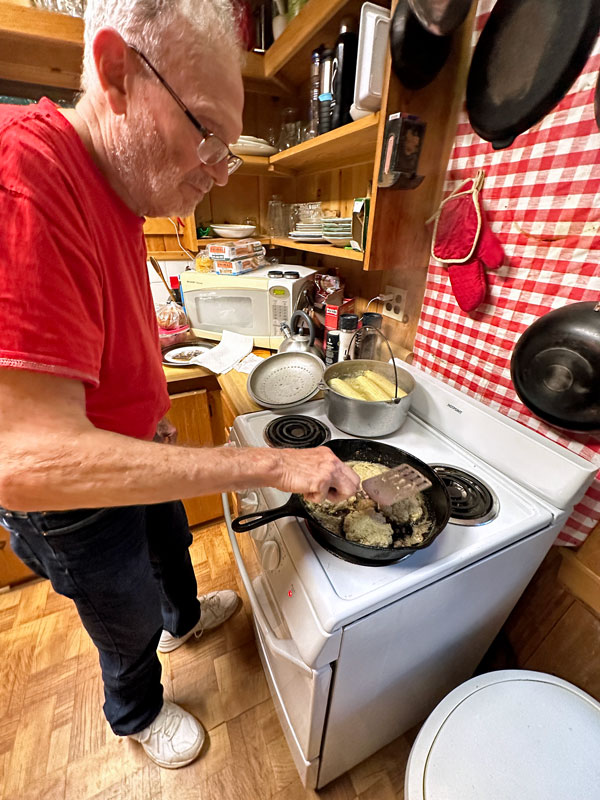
pixel 96 468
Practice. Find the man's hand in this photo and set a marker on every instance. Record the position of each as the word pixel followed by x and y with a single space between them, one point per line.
pixel 166 432
pixel 316 473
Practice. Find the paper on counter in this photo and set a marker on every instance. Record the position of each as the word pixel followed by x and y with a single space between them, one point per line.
pixel 231 349
pixel 247 364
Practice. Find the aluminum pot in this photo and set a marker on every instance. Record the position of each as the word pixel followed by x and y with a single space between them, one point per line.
pixel 364 417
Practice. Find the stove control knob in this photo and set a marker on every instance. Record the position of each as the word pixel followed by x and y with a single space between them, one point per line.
pixel 270 556
pixel 260 534
pixel 248 502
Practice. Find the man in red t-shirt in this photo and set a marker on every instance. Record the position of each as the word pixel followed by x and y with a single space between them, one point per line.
pixel 91 501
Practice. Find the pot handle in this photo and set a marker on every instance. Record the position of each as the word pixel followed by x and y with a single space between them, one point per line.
pixel 249 522
pixel 307 321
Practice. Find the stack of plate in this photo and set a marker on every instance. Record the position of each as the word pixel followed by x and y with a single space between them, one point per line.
pixel 251 146
pixel 337 230
pixel 307 232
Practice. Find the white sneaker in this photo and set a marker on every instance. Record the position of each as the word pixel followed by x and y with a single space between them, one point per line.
pixel 215 608
pixel 174 739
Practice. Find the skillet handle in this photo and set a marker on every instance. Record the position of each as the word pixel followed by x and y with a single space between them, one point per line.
pixel 249 522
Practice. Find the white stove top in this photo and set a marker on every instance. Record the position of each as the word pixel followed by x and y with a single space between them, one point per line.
pixel 341 591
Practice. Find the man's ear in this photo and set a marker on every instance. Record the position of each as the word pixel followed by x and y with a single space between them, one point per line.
pixel 114 63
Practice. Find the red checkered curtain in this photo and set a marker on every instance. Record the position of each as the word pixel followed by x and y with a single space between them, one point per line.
pixel 542 199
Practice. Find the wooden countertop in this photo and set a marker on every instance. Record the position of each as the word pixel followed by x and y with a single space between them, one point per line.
pixel 233 384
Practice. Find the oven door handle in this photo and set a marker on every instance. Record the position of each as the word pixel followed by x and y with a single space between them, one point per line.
pixel 283 647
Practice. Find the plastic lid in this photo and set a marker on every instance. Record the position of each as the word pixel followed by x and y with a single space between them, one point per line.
pixel 372 318
pixel 275 273
pixel 348 322
pixel 528 737
pixel 291 274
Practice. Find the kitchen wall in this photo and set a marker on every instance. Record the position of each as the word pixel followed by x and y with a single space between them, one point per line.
pixel 542 199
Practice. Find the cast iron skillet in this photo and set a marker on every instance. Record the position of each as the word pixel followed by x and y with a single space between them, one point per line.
pixel 555 367
pixel 417 55
pixel 436 498
pixel 441 17
pixel 528 55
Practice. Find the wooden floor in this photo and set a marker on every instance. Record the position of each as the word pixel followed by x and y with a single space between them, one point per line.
pixel 55 743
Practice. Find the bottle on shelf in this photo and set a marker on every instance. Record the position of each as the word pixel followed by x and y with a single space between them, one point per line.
pixel 343 72
pixel 325 95
pixel 315 76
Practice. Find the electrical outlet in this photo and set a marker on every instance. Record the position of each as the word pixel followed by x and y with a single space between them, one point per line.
pixel 395 308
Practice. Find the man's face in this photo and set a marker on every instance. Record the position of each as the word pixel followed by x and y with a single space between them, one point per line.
pixel 154 146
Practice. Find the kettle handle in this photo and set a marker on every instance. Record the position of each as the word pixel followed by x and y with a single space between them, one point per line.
pixel 309 324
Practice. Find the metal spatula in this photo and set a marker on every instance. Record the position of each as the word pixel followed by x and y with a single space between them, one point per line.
pixel 395 484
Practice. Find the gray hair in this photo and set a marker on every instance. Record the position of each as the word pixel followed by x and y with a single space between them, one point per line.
pixel 144 23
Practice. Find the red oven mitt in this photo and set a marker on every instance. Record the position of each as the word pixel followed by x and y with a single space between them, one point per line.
pixel 463 240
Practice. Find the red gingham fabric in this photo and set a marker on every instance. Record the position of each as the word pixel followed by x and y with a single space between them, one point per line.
pixel 542 199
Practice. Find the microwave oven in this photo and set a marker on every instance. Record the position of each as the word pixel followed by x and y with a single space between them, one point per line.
pixel 255 303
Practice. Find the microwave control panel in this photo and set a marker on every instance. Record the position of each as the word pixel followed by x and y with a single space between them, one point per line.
pixel 279 299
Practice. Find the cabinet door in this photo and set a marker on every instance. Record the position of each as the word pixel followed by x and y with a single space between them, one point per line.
pixel 161 238
pixel 12 569
pixel 190 413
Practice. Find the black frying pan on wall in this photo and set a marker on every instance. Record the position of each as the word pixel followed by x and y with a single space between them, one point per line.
pixel 441 17
pixel 528 56
pixel 555 367
pixel 417 54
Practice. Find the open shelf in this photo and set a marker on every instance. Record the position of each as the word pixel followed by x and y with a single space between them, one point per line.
pixel 351 144
pixel 317 23
pixel 261 165
pixel 320 249
pixel 45 48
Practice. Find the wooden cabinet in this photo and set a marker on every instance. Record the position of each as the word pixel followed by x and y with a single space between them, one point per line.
pixel 12 569
pixel 191 414
pixel 161 236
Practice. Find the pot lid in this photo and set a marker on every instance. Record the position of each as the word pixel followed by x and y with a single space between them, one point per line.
pixel 528 737
pixel 528 55
pixel 555 367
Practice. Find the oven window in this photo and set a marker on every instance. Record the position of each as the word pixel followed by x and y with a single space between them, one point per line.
pixel 234 312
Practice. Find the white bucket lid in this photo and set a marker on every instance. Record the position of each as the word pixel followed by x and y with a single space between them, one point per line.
pixel 509 734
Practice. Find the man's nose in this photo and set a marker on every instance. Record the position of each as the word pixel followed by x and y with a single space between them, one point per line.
pixel 218 172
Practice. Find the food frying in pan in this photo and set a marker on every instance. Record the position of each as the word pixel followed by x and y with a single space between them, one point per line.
pixel 359 519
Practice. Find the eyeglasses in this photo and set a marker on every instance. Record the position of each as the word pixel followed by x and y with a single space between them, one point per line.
pixel 211 150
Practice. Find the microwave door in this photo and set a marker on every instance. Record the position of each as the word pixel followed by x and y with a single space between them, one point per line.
pixel 237 310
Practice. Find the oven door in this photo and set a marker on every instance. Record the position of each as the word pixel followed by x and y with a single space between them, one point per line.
pixel 300 693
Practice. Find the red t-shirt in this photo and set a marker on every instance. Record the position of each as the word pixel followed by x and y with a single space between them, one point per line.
pixel 75 298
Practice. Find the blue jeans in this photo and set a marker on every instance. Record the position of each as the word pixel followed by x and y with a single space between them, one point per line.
pixel 128 571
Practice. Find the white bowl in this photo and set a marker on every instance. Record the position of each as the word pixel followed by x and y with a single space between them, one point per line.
pixel 234 231
pixel 337 241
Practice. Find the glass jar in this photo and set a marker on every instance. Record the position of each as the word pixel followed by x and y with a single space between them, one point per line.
pixel 276 224
pixel 368 340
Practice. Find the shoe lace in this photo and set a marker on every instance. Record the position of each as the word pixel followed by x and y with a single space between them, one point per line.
pixel 169 724
pixel 212 603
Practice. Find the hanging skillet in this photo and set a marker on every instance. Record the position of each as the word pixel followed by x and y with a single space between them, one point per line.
pixel 436 500
pixel 555 367
pixel 441 17
pixel 417 55
pixel 528 56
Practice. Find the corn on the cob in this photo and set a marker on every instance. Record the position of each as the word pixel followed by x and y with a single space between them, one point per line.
pixel 343 387
pixel 369 389
pixel 385 384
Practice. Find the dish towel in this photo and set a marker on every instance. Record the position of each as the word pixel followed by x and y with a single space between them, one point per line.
pixel 231 349
pixel 464 242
